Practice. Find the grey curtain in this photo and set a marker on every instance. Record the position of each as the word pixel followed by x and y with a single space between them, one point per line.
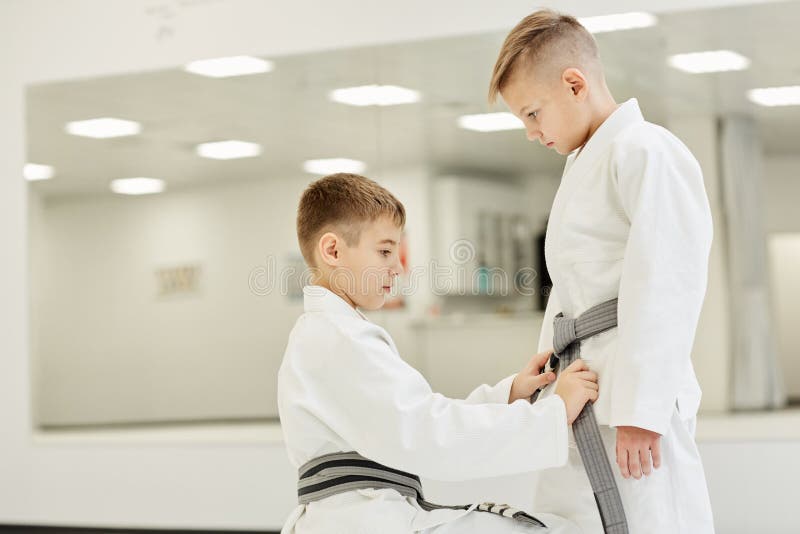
pixel 757 381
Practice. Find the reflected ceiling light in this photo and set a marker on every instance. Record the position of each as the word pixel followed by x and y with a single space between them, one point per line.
pixel 490 122
pixel 332 165
pixel 620 21
pixel 34 171
pixel 710 61
pixel 224 67
pixel 137 186
pixel 374 95
pixel 231 149
pixel 103 128
pixel 775 96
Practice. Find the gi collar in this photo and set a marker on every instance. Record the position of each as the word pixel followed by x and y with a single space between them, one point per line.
pixel 321 299
pixel 626 114
pixel 579 167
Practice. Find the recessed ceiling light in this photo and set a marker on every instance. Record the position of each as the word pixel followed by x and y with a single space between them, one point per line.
pixel 103 128
pixel 232 149
pixel 374 95
pixel 775 96
pixel 620 21
pixel 223 67
pixel 332 165
pixel 490 122
pixel 710 61
pixel 35 171
pixel 137 186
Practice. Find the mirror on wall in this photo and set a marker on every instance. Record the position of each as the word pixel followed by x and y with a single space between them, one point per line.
pixel 164 269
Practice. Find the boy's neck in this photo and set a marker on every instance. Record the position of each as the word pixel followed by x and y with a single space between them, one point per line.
pixel 324 281
pixel 606 107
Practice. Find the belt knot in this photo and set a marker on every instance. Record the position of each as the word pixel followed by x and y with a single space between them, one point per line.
pixel 563 333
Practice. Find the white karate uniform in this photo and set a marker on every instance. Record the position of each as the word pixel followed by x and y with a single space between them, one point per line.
pixel 631 220
pixel 342 386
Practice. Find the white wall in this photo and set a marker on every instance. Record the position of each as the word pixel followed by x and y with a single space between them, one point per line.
pixel 205 483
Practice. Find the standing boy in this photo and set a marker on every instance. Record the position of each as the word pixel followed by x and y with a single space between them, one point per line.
pixel 630 221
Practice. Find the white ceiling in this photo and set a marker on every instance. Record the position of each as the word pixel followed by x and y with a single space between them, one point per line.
pixel 288 112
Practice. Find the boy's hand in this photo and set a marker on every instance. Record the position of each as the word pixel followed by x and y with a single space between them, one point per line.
pixel 635 446
pixel 577 385
pixel 531 378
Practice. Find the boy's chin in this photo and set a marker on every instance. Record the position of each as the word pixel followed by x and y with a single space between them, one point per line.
pixel 373 303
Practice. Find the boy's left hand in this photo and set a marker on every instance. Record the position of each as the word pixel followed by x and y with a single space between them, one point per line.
pixel 635 447
pixel 531 378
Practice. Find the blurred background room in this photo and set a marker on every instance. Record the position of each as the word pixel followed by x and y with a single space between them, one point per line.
pixel 149 277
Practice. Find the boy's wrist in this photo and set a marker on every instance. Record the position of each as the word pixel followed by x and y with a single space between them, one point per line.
pixel 514 393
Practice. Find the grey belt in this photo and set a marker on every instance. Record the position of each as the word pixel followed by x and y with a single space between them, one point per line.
pixel 567 335
pixel 340 472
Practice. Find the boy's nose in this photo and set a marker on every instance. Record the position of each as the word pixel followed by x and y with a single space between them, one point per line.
pixel 533 135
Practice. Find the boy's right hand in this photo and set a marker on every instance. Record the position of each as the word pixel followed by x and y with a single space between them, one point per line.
pixel 576 386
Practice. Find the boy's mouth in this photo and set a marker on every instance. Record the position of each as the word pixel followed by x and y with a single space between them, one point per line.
pixel 551 143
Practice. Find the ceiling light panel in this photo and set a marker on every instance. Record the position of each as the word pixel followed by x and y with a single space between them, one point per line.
pixel 231 149
pixel 775 96
pixel 137 186
pixel 103 128
pixel 375 95
pixel 225 67
pixel 334 165
pixel 709 61
pixel 490 122
pixel 35 171
pixel 618 22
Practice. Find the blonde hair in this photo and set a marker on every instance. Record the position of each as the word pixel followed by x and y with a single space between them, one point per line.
pixel 342 202
pixel 540 39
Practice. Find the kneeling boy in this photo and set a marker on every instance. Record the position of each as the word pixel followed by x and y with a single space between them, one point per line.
pixel 362 425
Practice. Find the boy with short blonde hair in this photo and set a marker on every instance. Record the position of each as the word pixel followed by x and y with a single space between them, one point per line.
pixel 629 232
pixel 362 425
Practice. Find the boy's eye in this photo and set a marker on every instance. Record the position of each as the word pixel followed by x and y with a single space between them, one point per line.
pixel 533 114
pixel 386 252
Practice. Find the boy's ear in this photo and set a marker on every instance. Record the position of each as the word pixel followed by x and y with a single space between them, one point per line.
pixel 329 249
pixel 576 82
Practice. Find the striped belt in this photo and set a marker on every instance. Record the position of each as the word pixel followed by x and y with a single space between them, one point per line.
pixel 340 472
pixel 568 333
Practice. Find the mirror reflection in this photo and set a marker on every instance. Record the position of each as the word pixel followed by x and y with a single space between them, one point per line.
pixel 165 272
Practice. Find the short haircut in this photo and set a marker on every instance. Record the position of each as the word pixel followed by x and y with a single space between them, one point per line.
pixel 342 203
pixel 544 39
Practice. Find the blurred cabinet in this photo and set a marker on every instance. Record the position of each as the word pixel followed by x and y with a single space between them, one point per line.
pixel 483 243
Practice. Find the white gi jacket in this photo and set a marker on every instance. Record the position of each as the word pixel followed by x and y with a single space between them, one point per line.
pixel 631 220
pixel 342 386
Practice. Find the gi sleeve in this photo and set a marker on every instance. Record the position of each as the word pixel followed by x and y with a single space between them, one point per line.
pixel 387 412
pixel 663 280
pixel 497 394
